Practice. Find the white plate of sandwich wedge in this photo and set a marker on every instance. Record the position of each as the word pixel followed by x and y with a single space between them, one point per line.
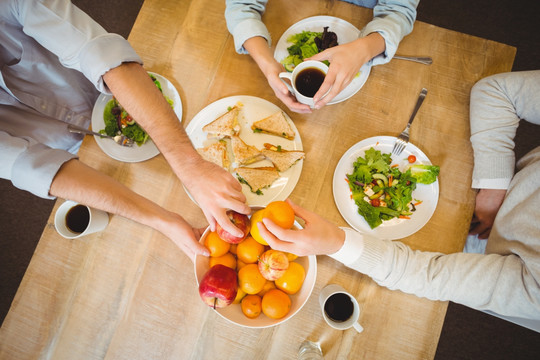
pixel 250 110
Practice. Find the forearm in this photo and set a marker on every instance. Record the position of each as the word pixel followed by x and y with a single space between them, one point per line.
pixel 261 53
pixel 81 183
pixel 134 89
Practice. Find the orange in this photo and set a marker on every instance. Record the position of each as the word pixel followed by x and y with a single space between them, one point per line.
pixel 291 256
pixel 292 280
pixel 216 245
pixel 228 260
pixel 276 304
pixel 240 294
pixel 250 279
pixel 239 264
pixel 249 250
pixel 255 218
pixel 281 213
pixel 232 249
pixel 268 286
pixel 251 306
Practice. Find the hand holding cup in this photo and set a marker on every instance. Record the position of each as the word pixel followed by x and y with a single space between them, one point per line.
pixel 305 80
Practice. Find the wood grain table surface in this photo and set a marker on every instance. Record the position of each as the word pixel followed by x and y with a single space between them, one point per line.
pixel 130 293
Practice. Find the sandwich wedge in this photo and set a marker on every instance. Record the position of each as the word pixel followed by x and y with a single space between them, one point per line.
pixel 216 153
pixel 281 158
pixel 275 124
pixel 224 126
pixel 245 154
pixel 257 178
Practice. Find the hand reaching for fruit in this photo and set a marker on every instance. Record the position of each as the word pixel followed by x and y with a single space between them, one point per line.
pixel 319 236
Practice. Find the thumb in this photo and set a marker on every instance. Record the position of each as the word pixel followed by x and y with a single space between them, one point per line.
pixel 300 211
pixel 323 55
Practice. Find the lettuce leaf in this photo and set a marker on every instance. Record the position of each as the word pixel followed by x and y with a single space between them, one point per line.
pixel 111 125
pixel 424 174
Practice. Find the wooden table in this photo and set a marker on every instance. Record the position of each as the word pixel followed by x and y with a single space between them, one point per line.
pixel 129 293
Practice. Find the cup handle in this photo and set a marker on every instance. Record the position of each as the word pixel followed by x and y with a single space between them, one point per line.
pixel 287 75
pixel 358 327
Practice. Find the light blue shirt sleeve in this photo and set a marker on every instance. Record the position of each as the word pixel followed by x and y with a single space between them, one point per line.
pixel 49 50
pixel 244 22
pixel 30 165
pixel 393 19
pixel 85 46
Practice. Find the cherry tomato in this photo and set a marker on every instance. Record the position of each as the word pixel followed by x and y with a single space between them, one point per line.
pixel 375 202
pixel 411 159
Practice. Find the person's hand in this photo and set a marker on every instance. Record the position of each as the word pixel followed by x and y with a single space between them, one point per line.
pixel 215 190
pixel 319 236
pixel 488 203
pixel 183 235
pixel 260 52
pixel 271 71
pixel 345 62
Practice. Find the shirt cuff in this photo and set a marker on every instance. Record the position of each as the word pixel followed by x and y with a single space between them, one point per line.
pixel 352 247
pixel 35 169
pixel 502 183
pixel 248 29
pixel 103 54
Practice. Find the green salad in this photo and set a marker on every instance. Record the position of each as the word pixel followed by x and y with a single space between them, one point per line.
pixel 381 191
pixel 307 44
pixel 119 122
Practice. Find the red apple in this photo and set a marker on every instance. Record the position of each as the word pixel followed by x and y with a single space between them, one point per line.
pixel 273 264
pixel 241 221
pixel 218 286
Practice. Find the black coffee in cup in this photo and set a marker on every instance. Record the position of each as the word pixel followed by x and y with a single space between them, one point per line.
pixel 78 218
pixel 308 81
pixel 339 307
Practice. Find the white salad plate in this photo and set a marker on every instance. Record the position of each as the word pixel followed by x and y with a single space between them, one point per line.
pixel 345 31
pixel 252 109
pixel 135 153
pixel 395 228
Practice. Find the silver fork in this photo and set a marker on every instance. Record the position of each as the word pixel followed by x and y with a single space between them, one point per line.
pixel 119 139
pixel 403 138
pixel 426 60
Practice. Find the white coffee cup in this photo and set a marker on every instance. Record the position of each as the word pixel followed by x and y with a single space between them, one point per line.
pixel 346 317
pixel 313 64
pixel 87 223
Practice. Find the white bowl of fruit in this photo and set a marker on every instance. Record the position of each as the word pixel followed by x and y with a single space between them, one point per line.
pixel 247 282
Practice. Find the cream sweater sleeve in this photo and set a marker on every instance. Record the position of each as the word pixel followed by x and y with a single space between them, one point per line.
pixel 485 282
pixel 498 103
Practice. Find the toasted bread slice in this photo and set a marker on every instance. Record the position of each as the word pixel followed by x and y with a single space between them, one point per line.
pixel 275 124
pixel 257 178
pixel 216 153
pixel 245 154
pixel 282 159
pixel 224 126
